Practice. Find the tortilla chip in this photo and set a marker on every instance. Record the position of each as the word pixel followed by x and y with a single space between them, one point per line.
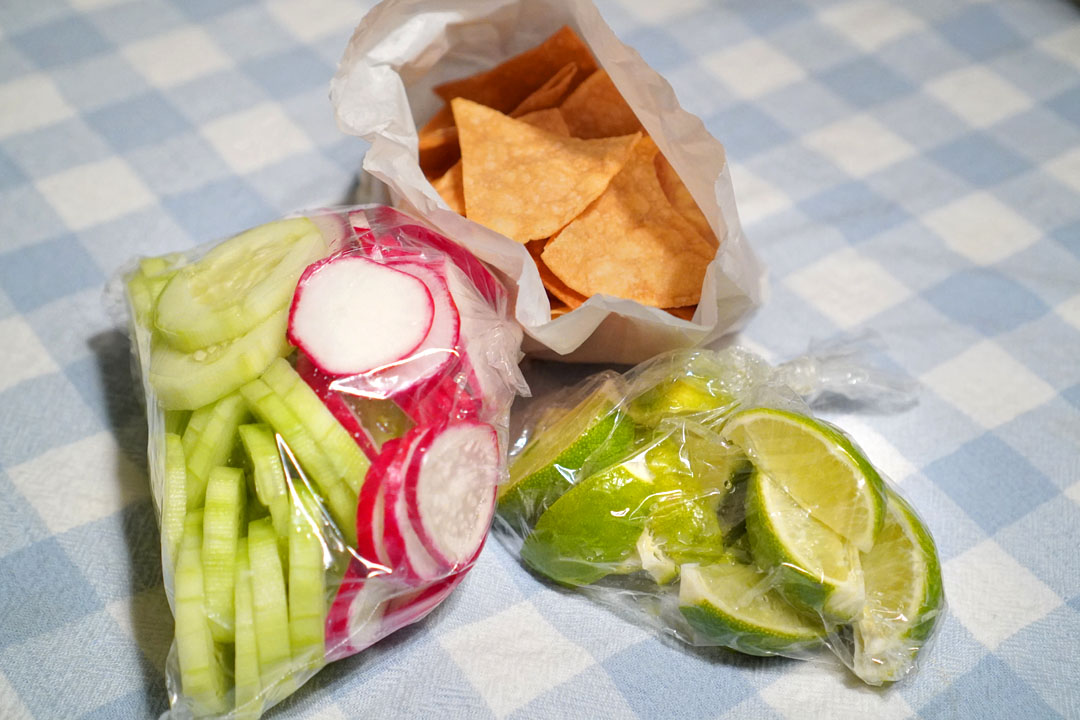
pixel 437 150
pixel 631 243
pixel 450 189
pixel 681 199
pixel 683 313
pixel 558 311
pixel 525 182
pixel 506 85
pixel 550 120
pixel 555 287
pixel 596 108
pixel 551 93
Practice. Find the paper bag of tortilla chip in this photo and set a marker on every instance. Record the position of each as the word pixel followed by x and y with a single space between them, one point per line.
pixel 529 133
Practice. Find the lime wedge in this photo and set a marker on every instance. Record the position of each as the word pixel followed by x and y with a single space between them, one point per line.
pixel 815 568
pixel 731 604
pixel 818 466
pixel 904 597
pixel 594 432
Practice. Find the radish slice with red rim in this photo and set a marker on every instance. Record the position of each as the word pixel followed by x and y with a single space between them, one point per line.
pixel 351 315
pixel 450 491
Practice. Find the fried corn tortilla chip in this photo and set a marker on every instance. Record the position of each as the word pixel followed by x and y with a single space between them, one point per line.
pixel 680 198
pixel 596 109
pixel 683 313
pixel 555 287
pixel 506 85
pixel 631 243
pixel 449 185
pixel 551 93
pixel 526 182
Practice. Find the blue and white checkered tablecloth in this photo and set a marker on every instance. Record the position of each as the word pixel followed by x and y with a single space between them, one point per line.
pixel 908 167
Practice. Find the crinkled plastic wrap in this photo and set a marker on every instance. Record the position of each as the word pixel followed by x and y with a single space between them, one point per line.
pixel 307 510
pixel 699 495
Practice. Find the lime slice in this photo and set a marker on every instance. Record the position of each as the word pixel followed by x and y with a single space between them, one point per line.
pixel 592 529
pixel 731 604
pixel 815 567
pixel 818 466
pixel 904 597
pixel 594 432
pixel 676 396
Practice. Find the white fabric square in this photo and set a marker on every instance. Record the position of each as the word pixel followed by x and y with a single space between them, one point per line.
pixel 870 25
pixel 257 137
pixel 514 656
pixel 652 12
pixel 1070 311
pixel 847 287
pixel 13 706
pixel 29 103
pixel 95 193
pixel 1067 169
pixel 316 18
pixel 978 96
pixel 176 57
pixel 79 483
pixel 753 68
pixel 994 596
pixel 859 145
pixel 93 4
pixel 1065 45
pixel 24 355
pixel 755 198
pixel 1073 493
pixel 811 690
pixel 988 385
pixel 982 228
pixel 886 458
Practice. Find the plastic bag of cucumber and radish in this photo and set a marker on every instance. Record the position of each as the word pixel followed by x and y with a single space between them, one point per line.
pixel 700 495
pixel 327 398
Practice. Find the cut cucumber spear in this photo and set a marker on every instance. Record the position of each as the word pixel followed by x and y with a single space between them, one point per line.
pixel 201 676
pixel 174 498
pixel 225 501
pixel 237 285
pixel 246 663
pixel 339 497
pixel 307 583
pixel 185 381
pixel 260 444
pixel 209 441
pixel 269 609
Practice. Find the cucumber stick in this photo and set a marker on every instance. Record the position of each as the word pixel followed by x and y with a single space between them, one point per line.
pixel 185 381
pixel 201 676
pixel 225 503
pixel 214 431
pixel 174 497
pixel 237 285
pixel 339 497
pixel 248 701
pixel 176 421
pixel 307 583
pixel 269 609
pixel 349 461
pixel 271 489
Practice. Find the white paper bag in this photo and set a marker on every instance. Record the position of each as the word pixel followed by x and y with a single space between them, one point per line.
pixel 383 90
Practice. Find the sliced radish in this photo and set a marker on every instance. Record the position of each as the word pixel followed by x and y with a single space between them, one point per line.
pixel 450 491
pixel 411 560
pixel 354 621
pixel 335 403
pixel 351 315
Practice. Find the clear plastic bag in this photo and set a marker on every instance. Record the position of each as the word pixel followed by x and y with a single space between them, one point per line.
pixel 328 399
pixel 698 495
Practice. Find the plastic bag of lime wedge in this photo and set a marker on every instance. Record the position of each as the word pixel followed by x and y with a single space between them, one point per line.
pixel 328 400
pixel 699 492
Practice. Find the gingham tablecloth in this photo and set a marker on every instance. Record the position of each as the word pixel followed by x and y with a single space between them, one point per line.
pixel 912 168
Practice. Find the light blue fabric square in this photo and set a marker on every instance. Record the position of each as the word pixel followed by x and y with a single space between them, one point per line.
pixel 56 148
pixel 980 32
pixel 30 425
pixel 1044 347
pixel 130 22
pixel 98 81
pixel 10 174
pixel 18 16
pixel 1037 543
pixel 1045 656
pixel 662 51
pixel 70 269
pixel 143 120
pixel 986 300
pixel 219 209
pixel 980 160
pixel 288 73
pixel 63 42
pixel 995 485
pixel 865 82
pixel 991 691
pixel 20 525
pixel 247 32
pixel 855 210
pixel 178 164
pixel 212 96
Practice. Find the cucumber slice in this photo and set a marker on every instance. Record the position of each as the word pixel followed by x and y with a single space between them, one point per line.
pixel 174 498
pixel 261 447
pixel 349 461
pixel 246 658
pixel 144 288
pixel 269 609
pixel 202 678
pixel 176 421
pixel 237 285
pixel 339 497
pixel 225 500
pixel 212 446
pixel 185 381
pixel 307 583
